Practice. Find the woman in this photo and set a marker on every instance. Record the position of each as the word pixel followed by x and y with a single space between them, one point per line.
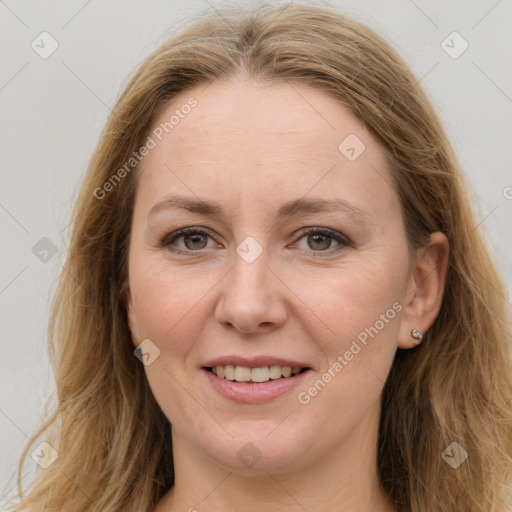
pixel 275 295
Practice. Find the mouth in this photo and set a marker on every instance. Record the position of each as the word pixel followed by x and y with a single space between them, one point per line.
pixel 255 379
pixel 254 384
pixel 259 375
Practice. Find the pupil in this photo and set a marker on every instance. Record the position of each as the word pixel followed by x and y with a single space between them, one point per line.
pixel 194 240
pixel 325 237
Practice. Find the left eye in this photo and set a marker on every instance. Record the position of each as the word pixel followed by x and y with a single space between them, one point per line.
pixel 194 240
pixel 321 239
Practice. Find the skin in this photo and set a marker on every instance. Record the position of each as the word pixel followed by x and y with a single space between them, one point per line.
pixel 252 147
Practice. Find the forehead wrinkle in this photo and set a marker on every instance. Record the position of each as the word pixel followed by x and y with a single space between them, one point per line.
pixel 296 207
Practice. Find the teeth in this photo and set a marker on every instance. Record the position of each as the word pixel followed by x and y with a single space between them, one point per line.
pixel 229 372
pixel 260 374
pixel 275 372
pixel 242 373
pixel 246 374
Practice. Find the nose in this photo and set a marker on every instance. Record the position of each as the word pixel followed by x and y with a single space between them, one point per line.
pixel 253 296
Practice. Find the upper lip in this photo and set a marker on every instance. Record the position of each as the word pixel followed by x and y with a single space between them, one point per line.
pixel 254 362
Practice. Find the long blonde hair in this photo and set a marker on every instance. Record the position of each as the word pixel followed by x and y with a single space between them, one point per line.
pixel 113 441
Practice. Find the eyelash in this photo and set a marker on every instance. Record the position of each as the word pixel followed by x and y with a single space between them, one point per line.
pixel 166 242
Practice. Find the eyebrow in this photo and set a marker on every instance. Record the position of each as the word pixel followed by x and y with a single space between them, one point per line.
pixel 292 208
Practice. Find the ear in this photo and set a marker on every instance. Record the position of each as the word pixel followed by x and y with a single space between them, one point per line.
pixel 131 315
pixel 425 289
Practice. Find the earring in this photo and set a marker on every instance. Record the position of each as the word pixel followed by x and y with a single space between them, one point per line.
pixel 417 335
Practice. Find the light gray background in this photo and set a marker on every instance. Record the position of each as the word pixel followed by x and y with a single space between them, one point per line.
pixel 52 111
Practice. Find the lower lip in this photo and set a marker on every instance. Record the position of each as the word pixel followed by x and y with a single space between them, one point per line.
pixel 251 392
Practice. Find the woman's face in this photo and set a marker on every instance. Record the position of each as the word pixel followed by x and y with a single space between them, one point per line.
pixel 296 258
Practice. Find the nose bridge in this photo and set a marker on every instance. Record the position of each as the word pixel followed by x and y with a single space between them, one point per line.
pixel 250 265
pixel 250 279
pixel 250 295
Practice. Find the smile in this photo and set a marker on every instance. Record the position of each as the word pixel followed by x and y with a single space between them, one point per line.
pixel 257 375
pixel 246 385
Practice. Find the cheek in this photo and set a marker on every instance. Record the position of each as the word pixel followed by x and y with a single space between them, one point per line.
pixel 166 305
pixel 359 351
pixel 164 298
pixel 359 308
pixel 355 296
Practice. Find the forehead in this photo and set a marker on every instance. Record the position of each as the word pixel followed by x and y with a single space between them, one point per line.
pixel 244 138
pixel 280 116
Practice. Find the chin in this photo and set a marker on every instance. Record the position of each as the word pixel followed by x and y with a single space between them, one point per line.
pixel 253 450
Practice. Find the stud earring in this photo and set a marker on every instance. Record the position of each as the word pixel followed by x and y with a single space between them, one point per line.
pixel 417 335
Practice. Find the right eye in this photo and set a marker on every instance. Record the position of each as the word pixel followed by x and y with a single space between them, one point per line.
pixel 193 239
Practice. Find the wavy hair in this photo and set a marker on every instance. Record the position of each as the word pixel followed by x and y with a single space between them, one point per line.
pixel 113 441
